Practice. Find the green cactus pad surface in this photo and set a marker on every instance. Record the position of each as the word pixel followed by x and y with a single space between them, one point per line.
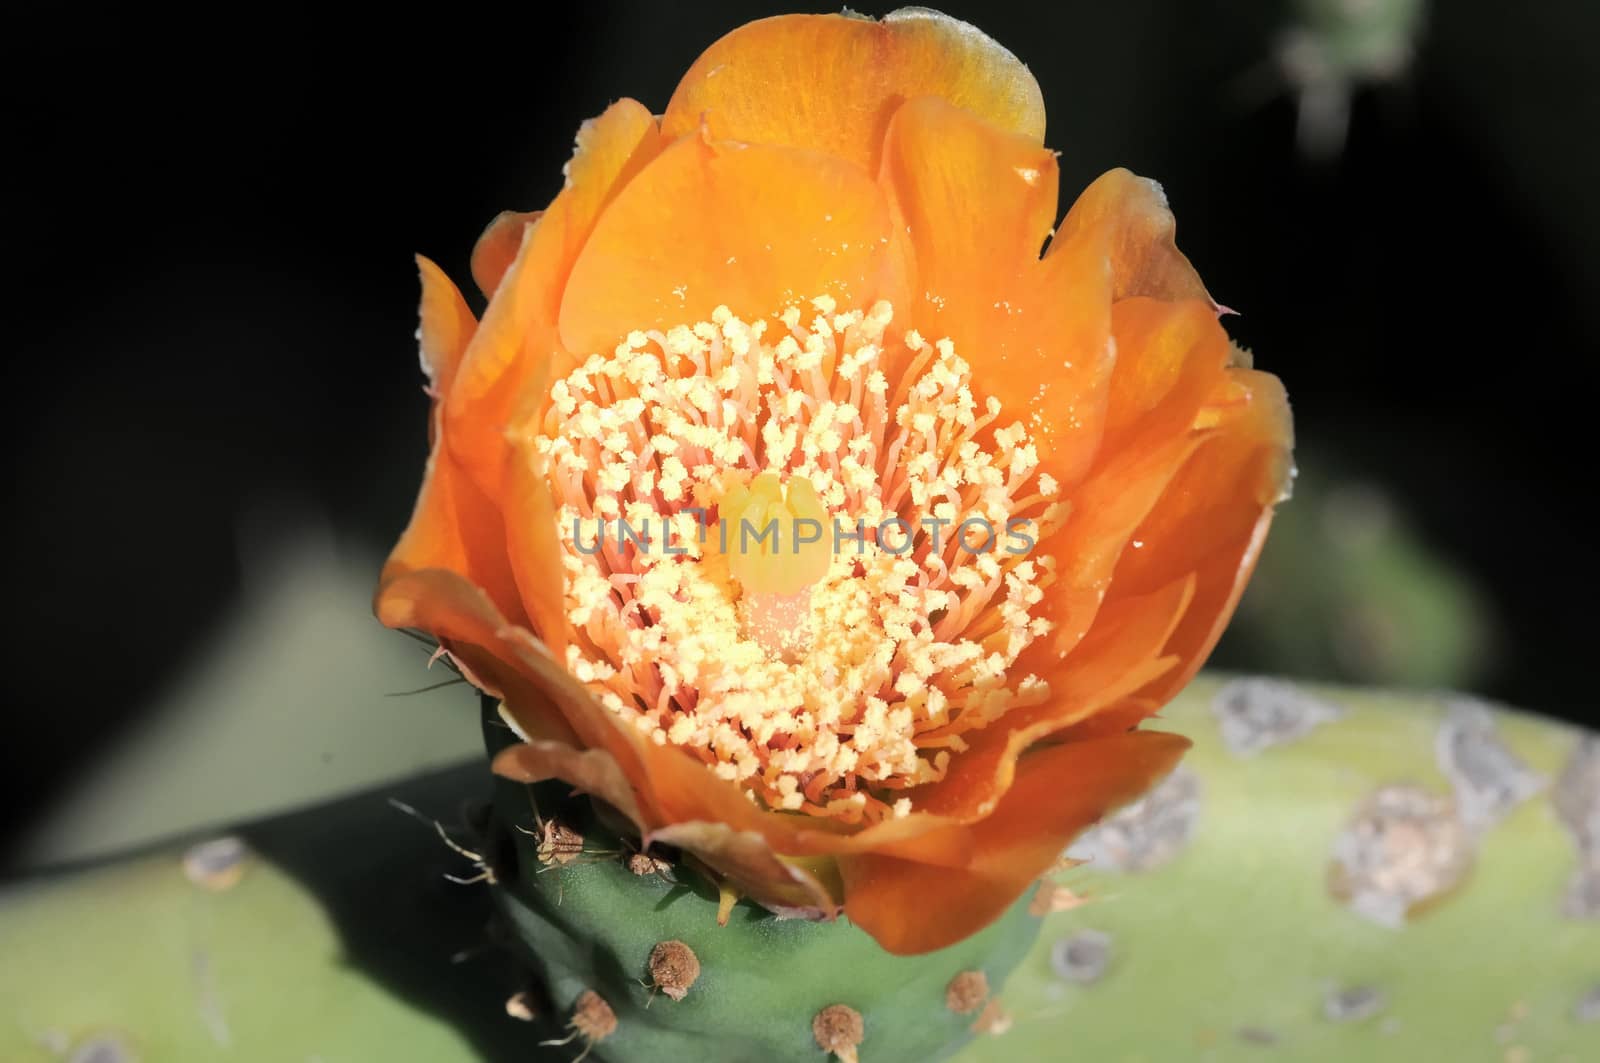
pixel 1235 948
pixel 1209 925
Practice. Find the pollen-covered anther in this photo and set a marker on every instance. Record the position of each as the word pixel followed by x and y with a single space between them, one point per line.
pixel 674 968
pixel 799 550
pixel 839 1029
pixel 967 992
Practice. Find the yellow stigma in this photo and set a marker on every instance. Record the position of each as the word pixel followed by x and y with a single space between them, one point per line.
pixel 776 535
pixel 776 538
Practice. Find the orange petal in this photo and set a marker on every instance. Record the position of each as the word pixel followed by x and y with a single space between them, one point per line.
pixel 497 248
pixel 446 326
pixel 1125 715
pixel 1238 473
pixel 1214 518
pixel 1109 642
pixel 665 791
pixel 1144 253
pixel 591 771
pixel 454 526
pixel 718 823
pixel 672 791
pixel 1170 355
pixel 742 857
pixel 495 654
pixel 1165 372
pixel 1123 655
pixel 684 790
pixel 709 223
pixel 978 204
pixel 747 861
pixel 913 908
pixel 535 687
pixel 1106 511
pixel 534 542
pixel 670 786
pixel 830 82
pixel 920 837
pixel 546 700
pixel 517 341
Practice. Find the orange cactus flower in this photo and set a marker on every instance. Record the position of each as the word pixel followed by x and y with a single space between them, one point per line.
pixel 813 290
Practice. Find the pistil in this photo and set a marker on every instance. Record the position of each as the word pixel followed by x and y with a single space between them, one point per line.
pixel 775 536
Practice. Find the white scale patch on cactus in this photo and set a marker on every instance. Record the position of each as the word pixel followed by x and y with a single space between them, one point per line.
pixel 1403 848
pixel 1258 713
pixel 1256 1035
pixel 1147 833
pixel 1082 956
pixel 1407 847
pixel 1488 779
pixel 1587 1009
pixel 108 1049
pixel 1582 899
pixel 1576 797
pixel 1353 1004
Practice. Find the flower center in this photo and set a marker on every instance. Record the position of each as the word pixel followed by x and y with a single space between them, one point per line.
pixel 812 581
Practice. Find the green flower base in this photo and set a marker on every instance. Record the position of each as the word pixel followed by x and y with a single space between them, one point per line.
pixel 591 925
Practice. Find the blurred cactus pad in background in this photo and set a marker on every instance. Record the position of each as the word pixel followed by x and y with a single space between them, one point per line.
pixel 1348 589
pixel 1331 874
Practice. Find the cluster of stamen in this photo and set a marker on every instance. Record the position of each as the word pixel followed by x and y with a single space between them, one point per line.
pixel 831 691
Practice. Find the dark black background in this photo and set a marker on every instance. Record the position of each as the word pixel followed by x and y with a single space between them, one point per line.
pixel 215 298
